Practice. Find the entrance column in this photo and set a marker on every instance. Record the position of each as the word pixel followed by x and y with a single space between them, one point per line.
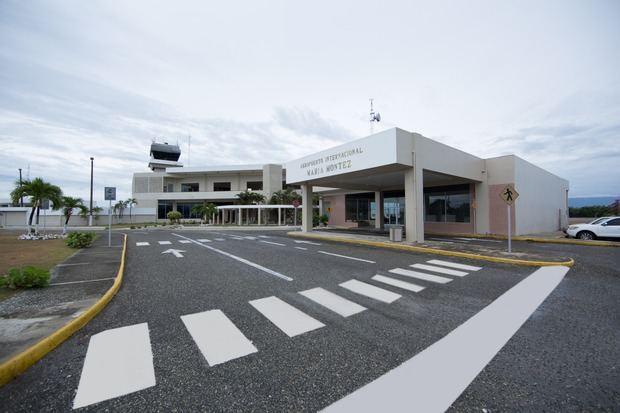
pixel 258 215
pixel 414 207
pixel 279 216
pixel 306 208
pixel 239 217
pixel 378 210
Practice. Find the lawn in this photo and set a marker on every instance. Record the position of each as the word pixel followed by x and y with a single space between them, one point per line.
pixel 44 254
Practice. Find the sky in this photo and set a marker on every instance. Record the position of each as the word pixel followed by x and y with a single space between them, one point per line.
pixel 257 82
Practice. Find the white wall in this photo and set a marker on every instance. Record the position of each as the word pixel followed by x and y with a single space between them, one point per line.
pixel 542 203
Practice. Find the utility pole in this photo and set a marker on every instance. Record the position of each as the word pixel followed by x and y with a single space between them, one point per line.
pixel 21 199
pixel 90 211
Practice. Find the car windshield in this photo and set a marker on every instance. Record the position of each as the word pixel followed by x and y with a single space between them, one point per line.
pixel 597 221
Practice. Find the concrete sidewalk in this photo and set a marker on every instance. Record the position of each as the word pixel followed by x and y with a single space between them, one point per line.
pixel 75 285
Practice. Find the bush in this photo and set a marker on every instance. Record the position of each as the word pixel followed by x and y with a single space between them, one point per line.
pixel 25 277
pixel 80 239
pixel 324 219
pixel 174 217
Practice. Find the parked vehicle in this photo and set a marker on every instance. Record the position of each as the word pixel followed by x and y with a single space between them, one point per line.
pixel 606 227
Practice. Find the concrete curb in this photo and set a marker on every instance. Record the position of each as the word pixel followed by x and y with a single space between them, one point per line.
pixel 536 239
pixel 22 361
pixel 404 247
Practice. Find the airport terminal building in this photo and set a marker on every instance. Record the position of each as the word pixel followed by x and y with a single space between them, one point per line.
pixel 390 178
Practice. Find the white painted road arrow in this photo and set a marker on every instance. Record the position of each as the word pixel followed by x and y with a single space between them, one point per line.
pixel 307 242
pixel 177 253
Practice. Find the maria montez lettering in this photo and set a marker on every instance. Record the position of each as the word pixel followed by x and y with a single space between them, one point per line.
pixel 331 163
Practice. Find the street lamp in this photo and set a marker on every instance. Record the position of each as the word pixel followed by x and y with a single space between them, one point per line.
pixel 21 199
pixel 90 213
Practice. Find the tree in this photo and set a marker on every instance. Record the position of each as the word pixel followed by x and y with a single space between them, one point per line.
pixel 68 205
pixel 38 190
pixel 250 197
pixel 96 211
pixel 174 217
pixel 131 202
pixel 284 197
pixel 120 206
pixel 205 210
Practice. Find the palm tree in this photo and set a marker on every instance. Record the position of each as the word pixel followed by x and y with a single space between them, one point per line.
pixel 284 197
pixel 204 210
pixel 250 197
pixel 131 202
pixel 119 206
pixel 38 190
pixel 68 205
pixel 96 211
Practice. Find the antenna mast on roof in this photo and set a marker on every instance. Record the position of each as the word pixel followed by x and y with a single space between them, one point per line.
pixel 374 117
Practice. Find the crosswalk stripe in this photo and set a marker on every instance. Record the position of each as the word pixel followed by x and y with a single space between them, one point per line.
pixel 142 244
pixel 371 291
pixel 118 362
pixel 164 242
pixel 218 339
pixel 219 239
pixel 287 318
pixel 398 283
pixel 184 241
pixel 204 240
pixel 333 302
pixel 345 256
pixel 439 270
pixel 264 236
pixel 455 265
pixel 249 237
pixel 421 276
pixel 273 243
pixel 301 248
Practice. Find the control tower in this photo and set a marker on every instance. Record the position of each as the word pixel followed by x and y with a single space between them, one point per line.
pixel 164 156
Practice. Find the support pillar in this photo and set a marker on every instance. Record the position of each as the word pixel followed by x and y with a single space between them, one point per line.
pixel 279 216
pixel 378 210
pixel 306 208
pixel 259 215
pixel 239 217
pixel 414 208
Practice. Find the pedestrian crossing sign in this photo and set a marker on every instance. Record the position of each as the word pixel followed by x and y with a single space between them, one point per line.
pixel 509 194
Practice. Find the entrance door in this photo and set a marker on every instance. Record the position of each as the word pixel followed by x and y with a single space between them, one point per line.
pixel 394 211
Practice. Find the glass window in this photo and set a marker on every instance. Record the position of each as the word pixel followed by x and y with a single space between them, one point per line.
pixel 447 204
pixel 168 187
pixel 357 206
pixel 163 207
pixel 185 208
pixel 189 187
pixel 255 185
pixel 221 186
pixel 614 222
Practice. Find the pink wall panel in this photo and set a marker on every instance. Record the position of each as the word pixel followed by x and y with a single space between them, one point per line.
pixel 498 222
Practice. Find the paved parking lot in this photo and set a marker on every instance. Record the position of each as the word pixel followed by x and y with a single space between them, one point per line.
pixel 237 321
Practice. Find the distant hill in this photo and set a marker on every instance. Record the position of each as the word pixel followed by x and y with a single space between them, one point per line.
pixel 591 201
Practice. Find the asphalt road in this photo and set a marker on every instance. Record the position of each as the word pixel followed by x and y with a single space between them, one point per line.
pixel 565 357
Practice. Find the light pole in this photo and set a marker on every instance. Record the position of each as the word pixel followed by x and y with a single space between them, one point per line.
pixel 21 199
pixel 90 211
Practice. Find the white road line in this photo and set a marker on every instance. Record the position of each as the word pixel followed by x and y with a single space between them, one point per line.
pixel 73 264
pixel 118 362
pixel 478 239
pixel 264 236
pixel 345 256
pixel 219 239
pixel 142 244
pixel 204 240
pixel 307 242
pixel 301 248
pixel 439 270
pixel 164 242
pixel 371 291
pixel 249 237
pixel 421 276
pixel 184 241
pixel 82 282
pixel 333 302
pixel 287 318
pixel 273 243
pixel 433 379
pixel 455 265
pixel 398 283
pixel 243 260
pixel 218 339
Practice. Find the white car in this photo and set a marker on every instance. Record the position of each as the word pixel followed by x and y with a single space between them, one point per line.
pixel 606 227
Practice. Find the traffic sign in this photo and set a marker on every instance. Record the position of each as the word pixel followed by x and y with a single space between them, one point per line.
pixel 509 195
pixel 110 193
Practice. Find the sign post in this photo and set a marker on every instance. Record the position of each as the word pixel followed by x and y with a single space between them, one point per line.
pixel 110 195
pixel 509 195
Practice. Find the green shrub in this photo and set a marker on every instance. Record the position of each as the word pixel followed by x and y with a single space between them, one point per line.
pixel 26 277
pixel 174 217
pixel 80 239
pixel 324 219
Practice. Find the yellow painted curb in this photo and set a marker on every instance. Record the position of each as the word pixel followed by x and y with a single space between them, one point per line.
pixel 569 241
pixel 404 247
pixel 22 361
